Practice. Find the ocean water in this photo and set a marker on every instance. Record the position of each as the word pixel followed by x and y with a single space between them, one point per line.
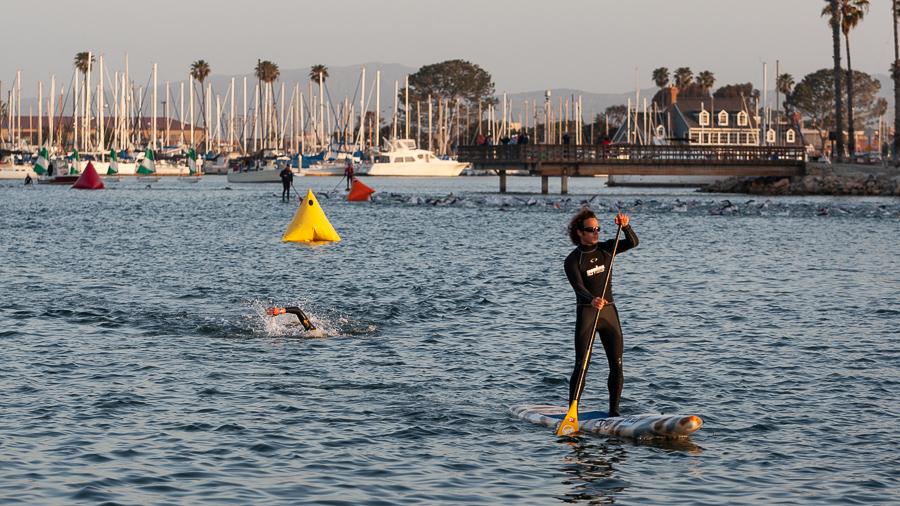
pixel 138 367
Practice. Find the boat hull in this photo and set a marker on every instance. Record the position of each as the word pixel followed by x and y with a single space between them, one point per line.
pixel 16 172
pixel 334 169
pixel 255 176
pixel 66 179
pixel 425 169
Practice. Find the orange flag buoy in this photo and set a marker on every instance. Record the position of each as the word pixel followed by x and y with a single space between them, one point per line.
pixel 89 179
pixel 359 192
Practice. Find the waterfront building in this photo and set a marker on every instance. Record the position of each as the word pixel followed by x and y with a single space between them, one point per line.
pixel 699 119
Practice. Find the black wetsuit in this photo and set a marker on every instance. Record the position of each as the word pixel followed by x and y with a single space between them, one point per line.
pixel 586 268
pixel 287 177
pixel 304 320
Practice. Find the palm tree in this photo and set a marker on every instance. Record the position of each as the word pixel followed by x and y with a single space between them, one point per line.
pixel 661 77
pixel 83 61
pixel 200 71
pixel 706 80
pixel 315 70
pixel 784 83
pixel 895 74
pixel 835 22
pixel 852 13
pixel 268 72
pixel 683 76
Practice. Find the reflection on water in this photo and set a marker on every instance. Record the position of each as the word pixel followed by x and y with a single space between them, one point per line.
pixel 592 468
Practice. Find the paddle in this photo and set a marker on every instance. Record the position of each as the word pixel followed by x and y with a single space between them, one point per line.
pixel 341 180
pixel 569 424
pixel 295 191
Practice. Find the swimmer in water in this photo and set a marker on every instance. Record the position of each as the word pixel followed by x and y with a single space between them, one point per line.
pixel 294 310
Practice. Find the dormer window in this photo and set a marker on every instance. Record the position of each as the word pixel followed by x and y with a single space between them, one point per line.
pixel 661 131
pixel 723 118
pixel 704 118
pixel 742 118
pixel 770 136
pixel 790 137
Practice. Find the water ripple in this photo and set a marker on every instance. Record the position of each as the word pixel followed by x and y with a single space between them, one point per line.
pixel 140 367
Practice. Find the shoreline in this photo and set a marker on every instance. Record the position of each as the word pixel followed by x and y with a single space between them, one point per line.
pixel 842 179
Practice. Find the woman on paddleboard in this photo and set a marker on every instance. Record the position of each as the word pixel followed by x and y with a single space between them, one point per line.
pixel 587 268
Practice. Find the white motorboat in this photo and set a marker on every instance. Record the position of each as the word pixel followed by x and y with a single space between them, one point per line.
pixel 403 158
pixel 16 172
pixel 335 168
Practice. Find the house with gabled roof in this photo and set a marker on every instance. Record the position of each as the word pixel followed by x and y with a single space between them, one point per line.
pixel 697 118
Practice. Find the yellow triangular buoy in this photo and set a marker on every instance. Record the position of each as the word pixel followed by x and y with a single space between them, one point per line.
pixel 310 224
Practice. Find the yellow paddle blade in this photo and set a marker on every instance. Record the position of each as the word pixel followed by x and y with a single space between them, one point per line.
pixel 569 424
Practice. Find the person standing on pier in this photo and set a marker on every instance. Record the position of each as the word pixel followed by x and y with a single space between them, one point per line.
pixel 587 268
pixel 287 180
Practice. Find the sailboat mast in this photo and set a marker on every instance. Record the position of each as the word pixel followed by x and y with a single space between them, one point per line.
pixel 166 114
pixel 301 143
pixel 191 105
pixel 218 122
pixel 19 106
pixel 362 111
pixel 256 116
pixel 85 138
pixel 208 110
pixel 245 128
pixel 181 112
pixel 75 115
pixel 126 104
pixel 101 126
pixel 396 109
pixel 406 108
pixel 765 122
pixel 322 105
pixel 377 129
pixel 153 110
pixel 40 135
pixel 51 110
pixel 231 118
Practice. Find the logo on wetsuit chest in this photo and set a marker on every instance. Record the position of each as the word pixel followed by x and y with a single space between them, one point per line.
pixel 596 270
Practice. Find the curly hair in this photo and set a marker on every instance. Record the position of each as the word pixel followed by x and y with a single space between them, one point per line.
pixel 577 222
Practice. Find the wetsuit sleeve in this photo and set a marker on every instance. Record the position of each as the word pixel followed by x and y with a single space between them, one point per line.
pixel 630 240
pixel 575 279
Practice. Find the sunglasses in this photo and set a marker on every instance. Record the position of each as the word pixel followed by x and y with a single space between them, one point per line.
pixel 590 230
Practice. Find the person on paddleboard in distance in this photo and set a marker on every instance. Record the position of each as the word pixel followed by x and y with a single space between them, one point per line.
pixel 587 267
pixel 287 179
pixel 348 173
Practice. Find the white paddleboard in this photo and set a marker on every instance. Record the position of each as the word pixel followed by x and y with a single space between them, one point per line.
pixel 633 426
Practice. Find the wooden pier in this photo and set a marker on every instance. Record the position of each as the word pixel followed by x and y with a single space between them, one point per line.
pixel 548 160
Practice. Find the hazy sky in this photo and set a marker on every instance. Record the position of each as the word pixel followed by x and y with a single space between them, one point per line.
pixel 525 44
